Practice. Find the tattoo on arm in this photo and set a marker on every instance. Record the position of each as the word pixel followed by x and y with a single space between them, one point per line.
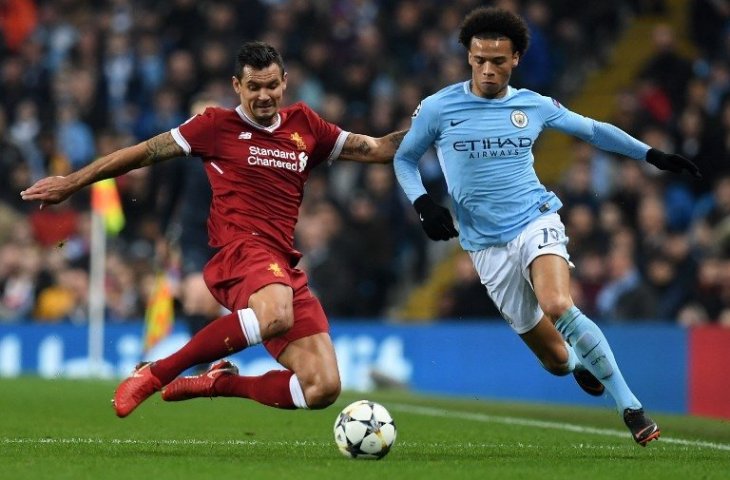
pixel 161 147
pixel 356 146
pixel 361 148
pixel 396 138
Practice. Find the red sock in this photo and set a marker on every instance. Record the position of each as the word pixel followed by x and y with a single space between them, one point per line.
pixel 271 388
pixel 221 337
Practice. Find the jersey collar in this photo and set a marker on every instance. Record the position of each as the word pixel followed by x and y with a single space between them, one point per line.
pixel 467 90
pixel 245 118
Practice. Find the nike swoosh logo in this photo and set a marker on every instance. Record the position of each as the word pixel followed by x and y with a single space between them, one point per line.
pixel 547 245
pixel 589 351
pixel 458 122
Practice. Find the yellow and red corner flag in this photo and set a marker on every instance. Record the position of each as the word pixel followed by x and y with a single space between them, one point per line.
pixel 105 201
pixel 160 313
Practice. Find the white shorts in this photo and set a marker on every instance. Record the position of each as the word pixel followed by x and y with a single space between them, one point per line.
pixel 504 269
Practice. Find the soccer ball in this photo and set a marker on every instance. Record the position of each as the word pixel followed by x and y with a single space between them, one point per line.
pixel 364 429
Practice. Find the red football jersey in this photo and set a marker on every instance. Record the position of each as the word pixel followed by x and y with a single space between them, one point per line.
pixel 257 173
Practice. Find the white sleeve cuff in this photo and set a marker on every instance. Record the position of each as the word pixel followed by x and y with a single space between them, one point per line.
pixel 180 140
pixel 337 149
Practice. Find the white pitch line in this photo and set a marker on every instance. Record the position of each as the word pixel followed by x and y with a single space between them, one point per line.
pixel 525 422
pixel 427 411
pixel 132 441
pixel 249 443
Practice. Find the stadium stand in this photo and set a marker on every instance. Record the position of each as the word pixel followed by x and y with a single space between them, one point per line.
pixel 80 78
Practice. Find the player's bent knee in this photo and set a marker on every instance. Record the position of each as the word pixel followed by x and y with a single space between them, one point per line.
pixel 556 363
pixel 275 320
pixel 276 326
pixel 322 394
pixel 555 307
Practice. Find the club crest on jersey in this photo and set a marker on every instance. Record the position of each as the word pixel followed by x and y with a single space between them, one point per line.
pixel 276 270
pixel 519 118
pixel 415 112
pixel 301 145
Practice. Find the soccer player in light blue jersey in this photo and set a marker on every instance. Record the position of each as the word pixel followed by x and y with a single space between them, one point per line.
pixel 483 131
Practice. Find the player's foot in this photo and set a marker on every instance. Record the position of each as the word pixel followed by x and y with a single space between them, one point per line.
pixel 588 382
pixel 185 388
pixel 643 428
pixel 135 389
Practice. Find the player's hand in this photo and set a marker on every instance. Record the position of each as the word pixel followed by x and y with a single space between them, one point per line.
pixel 49 190
pixel 435 219
pixel 672 162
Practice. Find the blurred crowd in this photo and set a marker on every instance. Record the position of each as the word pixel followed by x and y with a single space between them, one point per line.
pixel 80 79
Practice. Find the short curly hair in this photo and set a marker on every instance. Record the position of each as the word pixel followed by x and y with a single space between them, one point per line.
pixel 257 55
pixel 491 22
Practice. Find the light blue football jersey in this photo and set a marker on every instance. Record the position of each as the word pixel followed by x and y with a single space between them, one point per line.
pixel 485 152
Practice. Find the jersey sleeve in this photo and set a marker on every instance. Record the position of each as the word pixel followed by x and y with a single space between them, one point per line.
pixel 197 135
pixel 330 137
pixel 599 134
pixel 422 134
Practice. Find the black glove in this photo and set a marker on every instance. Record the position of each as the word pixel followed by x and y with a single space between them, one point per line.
pixel 435 219
pixel 672 162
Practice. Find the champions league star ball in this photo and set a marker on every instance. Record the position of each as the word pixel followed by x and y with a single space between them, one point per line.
pixel 364 429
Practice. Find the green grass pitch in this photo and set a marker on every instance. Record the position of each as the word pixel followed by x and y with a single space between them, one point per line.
pixel 65 429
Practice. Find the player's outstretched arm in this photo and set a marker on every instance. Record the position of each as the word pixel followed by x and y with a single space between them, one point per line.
pixel 362 148
pixel 52 190
pixel 611 138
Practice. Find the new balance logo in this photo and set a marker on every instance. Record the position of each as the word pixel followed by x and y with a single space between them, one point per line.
pixel 244 136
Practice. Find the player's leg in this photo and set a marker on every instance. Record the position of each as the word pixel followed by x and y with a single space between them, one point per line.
pixel 310 381
pixel 269 314
pixel 555 354
pixel 314 364
pixel 500 270
pixel 550 279
pixel 548 345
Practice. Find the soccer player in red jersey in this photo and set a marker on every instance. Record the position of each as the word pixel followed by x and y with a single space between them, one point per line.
pixel 257 158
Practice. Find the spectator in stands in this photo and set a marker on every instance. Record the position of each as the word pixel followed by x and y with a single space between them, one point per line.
pixel 707 21
pixel 651 226
pixel 590 276
pixel 466 298
pixel 321 237
pixel 710 296
pixel 20 267
pixel 626 296
pixel 667 68
pixel 711 212
pixel 14 171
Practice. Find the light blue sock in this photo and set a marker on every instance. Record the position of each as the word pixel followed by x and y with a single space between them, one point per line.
pixel 594 353
pixel 573 361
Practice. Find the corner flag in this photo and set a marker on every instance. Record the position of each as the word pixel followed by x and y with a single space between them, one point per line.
pixel 160 314
pixel 105 201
